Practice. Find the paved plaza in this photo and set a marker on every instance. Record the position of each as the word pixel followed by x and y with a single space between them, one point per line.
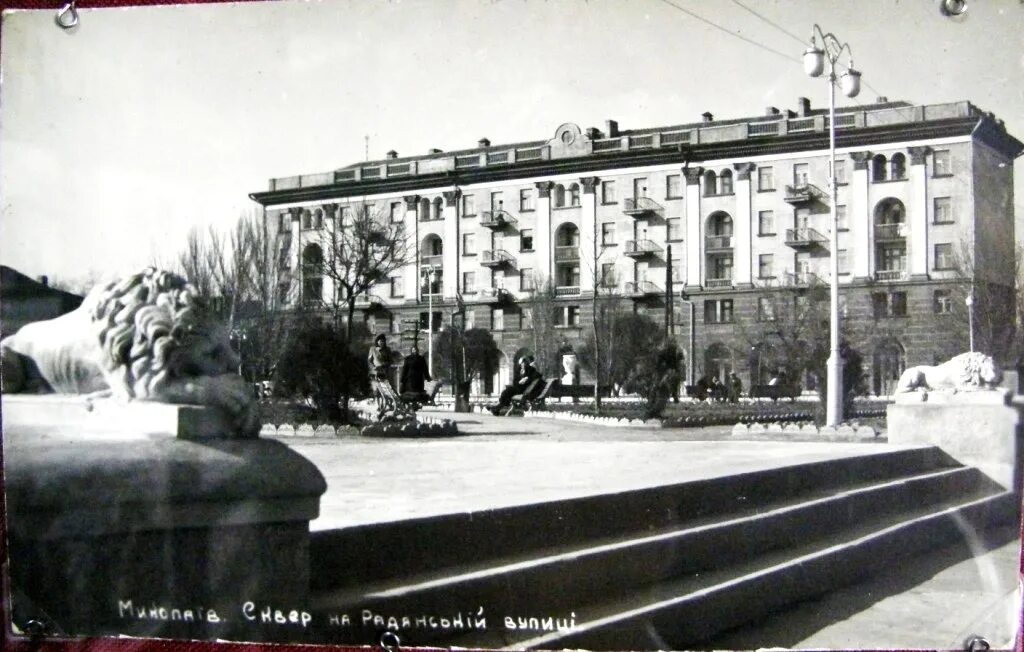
pixel 935 602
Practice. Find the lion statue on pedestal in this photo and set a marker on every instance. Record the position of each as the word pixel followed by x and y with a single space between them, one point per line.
pixel 966 372
pixel 147 337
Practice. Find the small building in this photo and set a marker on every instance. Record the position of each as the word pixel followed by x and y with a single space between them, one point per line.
pixel 24 300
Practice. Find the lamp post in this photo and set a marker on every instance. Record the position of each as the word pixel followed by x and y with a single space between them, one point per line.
pixel 430 273
pixel 685 298
pixel 814 64
pixel 970 318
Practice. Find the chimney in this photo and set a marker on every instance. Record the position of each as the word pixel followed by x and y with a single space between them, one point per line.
pixel 708 116
pixel 882 99
pixel 433 150
pixel 483 142
pixel 44 280
pixel 392 154
pixel 612 126
pixel 803 106
pixel 771 111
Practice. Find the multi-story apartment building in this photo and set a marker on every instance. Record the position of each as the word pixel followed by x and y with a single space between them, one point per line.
pixel 730 206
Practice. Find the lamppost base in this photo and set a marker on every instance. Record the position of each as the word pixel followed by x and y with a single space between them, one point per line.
pixel 834 399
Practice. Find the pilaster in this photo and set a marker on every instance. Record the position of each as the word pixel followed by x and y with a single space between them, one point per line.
pixel 590 253
pixel 452 245
pixel 410 273
pixel 542 236
pixel 742 261
pixel 692 218
pixel 295 255
pixel 859 219
pixel 918 214
pixel 326 237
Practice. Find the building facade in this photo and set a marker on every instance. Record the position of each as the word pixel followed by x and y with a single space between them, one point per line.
pixel 717 211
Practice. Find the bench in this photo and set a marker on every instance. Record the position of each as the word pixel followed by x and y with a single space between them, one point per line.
pixel 775 392
pixel 530 398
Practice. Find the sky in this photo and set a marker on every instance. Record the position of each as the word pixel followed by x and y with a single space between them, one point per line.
pixel 119 136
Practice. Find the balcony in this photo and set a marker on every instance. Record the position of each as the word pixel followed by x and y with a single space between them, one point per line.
pixel 642 289
pixel 498 219
pixel 890 232
pixel 637 206
pixel 431 261
pixel 567 254
pixel 718 243
pixel 797 279
pixel 640 248
pixel 712 283
pixel 805 238
pixel 804 193
pixel 567 291
pixel 497 296
pixel 494 258
pixel 890 275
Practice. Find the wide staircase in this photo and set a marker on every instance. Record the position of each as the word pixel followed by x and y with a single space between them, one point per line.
pixel 658 568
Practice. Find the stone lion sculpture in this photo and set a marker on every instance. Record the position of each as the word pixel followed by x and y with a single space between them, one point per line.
pixel 147 337
pixel 965 373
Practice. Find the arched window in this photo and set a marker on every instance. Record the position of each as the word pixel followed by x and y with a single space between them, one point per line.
pixel 887 365
pixel 710 183
pixel 312 259
pixel 898 167
pixel 890 211
pixel 725 182
pixel 318 219
pixel 719 224
pixel 424 212
pixel 568 235
pixel 574 194
pixel 306 219
pixel 432 246
pixel 438 209
pixel 559 193
pixel 878 168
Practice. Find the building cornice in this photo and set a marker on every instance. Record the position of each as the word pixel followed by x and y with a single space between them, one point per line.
pixel 682 155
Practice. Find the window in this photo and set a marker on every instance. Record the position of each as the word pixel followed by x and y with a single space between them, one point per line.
pixel 941 163
pixel 898 167
pixel 765 266
pixel 608 192
pixel 639 187
pixel 766 222
pixel 944 256
pixel 469 282
pixel 841 222
pixel 675 228
pixel 893 258
pixel 525 199
pixel 284 224
pixel 497 201
pixel 844 262
pixel 527 318
pixel 574 194
pixel 558 196
pixel 710 183
pixel 725 183
pixel 840 172
pixel 878 168
pixel 943 210
pixel 498 279
pixel 800 174
pixel 898 304
pixel 312 291
pixel 889 305
pixel 943 302
pixel 470 319
pixel 397 214
pixel 498 319
pixel 718 311
pixel 766 178
pixel 438 209
pixel 567 316
pixel 397 284
pixel 525 279
pixel 468 244
pixel 432 321
pixel 802 218
pixel 673 186
pixel 468 205
pixel 346 215
pixel 306 220
pixel 608 275
pixel 677 266
pixel 607 233
pixel 526 240
pixel 765 309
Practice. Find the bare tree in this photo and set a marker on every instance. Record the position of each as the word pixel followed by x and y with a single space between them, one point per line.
pixel 544 336
pixel 996 310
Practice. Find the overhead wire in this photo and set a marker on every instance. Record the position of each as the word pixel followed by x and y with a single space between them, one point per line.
pixel 731 33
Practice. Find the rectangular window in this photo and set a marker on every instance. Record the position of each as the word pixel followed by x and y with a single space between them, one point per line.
pixel 525 279
pixel 802 218
pixel 497 201
pixel 766 178
pixel 889 305
pixel 608 233
pixel 498 319
pixel 397 214
pixel 397 286
pixel 572 315
pixel 841 222
pixel 469 282
pixel 468 205
pixel 639 187
pixel 525 199
pixel 943 210
pixel 879 304
pixel 608 275
pixel 893 258
pixel 718 311
pixel 498 279
pixel 898 304
pixel 673 186
pixel 943 302
pixel 468 244
pixel 527 318
pixel 941 164
pixel 346 215
pixel 675 228
pixel 432 321
pixel 944 256
pixel 526 239
pixel 766 222
pixel 844 262
pixel 608 192
pixel 765 309
pixel 800 174
pixel 765 266
pixel 840 172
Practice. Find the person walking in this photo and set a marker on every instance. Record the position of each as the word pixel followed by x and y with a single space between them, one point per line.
pixel 415 374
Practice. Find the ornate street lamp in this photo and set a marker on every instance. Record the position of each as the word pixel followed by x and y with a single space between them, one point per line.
pixel 814 65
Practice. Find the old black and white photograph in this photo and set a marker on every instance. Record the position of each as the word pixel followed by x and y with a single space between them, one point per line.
pixel 520 324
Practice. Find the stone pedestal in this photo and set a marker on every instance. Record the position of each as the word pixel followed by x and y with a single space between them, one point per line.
pixel 980 429
pixel 129 528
